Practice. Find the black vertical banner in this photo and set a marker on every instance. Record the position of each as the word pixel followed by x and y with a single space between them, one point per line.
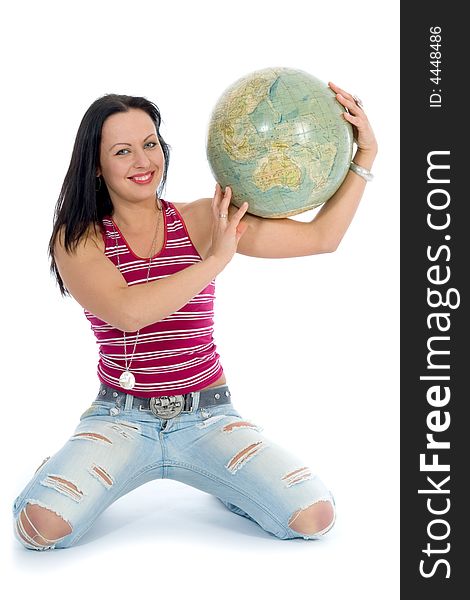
pixel 435 270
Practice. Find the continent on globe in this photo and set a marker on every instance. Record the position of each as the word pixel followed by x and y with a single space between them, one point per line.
pixel 277 138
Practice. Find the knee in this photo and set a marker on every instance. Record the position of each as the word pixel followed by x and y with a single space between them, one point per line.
pixel 316 519
pixel 40 528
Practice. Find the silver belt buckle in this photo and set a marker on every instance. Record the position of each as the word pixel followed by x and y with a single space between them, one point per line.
pixel 166 407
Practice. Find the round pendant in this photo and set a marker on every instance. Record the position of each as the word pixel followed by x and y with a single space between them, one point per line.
pixel 127 380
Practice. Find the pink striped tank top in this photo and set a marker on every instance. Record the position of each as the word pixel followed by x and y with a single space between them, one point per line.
pixel 172 356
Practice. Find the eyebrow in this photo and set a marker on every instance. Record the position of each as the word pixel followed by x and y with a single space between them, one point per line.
pixel 127 144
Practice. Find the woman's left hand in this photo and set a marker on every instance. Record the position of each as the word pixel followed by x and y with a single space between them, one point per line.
pixel 363 134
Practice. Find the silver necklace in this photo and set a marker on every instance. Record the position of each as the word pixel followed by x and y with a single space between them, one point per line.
pixel 127 379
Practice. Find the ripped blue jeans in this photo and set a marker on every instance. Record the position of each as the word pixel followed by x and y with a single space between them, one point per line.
pixel 116 448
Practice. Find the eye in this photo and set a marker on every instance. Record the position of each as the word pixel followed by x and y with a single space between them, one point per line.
pixel 118 153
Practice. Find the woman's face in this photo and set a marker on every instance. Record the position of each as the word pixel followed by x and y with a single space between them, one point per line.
pixel 129 149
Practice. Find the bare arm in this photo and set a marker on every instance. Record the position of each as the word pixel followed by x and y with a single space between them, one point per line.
pixel 153 301
pixel 286 238
pixel 156 300
pixel 100 288
pixel 332 221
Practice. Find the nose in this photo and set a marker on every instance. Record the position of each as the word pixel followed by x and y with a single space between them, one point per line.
pixel 141 159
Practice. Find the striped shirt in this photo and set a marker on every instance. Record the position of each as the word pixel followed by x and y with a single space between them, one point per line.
pixel 172 356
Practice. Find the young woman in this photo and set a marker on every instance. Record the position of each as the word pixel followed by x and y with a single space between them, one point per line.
pixel 143 269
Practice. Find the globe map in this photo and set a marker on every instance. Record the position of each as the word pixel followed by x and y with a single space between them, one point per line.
pixel 277 138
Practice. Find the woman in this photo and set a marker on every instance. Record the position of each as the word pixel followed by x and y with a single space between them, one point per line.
pixel 143 269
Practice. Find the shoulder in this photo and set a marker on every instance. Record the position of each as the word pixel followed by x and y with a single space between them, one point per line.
pixel 194 209
pixel 195 214
pixel 92 236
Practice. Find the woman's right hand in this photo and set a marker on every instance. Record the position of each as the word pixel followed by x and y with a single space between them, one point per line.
pixel 226 232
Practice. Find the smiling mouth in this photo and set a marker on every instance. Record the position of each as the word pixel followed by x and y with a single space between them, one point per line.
pixel 142 179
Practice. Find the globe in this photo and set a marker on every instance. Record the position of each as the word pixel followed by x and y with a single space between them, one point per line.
pixel 277 138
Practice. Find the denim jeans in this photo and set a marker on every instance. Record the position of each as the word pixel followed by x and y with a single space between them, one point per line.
pixel 116 448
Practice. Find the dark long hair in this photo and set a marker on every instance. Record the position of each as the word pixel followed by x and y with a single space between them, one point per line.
pixel 80 204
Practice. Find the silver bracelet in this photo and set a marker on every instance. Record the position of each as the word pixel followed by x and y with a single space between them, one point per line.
pixel 361 171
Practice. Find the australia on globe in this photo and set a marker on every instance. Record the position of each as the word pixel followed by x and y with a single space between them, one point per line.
pixel 277 138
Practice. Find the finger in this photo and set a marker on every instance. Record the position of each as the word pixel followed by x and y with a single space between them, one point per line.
pixel 350 104
pixel 217 200
pixel 226 199
pixel 339 90
pixel 352 119
pixel 221 204
pixel 241 229
pixel 343 96
pixel 238 216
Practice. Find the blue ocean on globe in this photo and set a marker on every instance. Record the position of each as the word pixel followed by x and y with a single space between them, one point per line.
pixel 277 138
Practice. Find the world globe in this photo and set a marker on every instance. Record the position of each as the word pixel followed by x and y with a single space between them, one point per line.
pixel 277 138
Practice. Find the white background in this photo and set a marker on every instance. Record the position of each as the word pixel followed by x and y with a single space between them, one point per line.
pixel 309 345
